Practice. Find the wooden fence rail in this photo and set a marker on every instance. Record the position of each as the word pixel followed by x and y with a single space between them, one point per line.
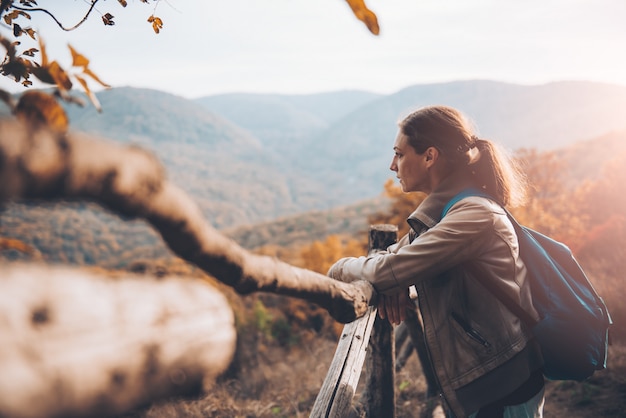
pixel 369 332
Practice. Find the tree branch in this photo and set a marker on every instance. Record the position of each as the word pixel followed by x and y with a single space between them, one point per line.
pixel 38 9
pixel 130 181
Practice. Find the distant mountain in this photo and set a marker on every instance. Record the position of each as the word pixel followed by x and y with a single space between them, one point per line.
pixel 232 175
pixel 280 120
pixel 299 178
pixel 249 158
pixel 354 154
pixel 579 162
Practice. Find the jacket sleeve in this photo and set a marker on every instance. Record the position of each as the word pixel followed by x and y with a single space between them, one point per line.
pixel 459 237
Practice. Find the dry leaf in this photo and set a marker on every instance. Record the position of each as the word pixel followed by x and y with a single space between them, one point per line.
pixel 31 32
pixel 17 30
pixel 108 19
pixel 157 23
pixel 61 78
pixel 88 72
pixel 42 74
pixel 92 97
pixel 78 60
pixel 365 15
pixel 38 109
pixel 30 52
pixel 44 56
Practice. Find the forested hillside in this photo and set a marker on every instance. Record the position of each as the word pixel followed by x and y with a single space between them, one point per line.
pixel 252 158
pixel 85 234
pixel 272 183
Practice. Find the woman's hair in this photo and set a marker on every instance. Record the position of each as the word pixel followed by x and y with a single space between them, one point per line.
pixel 447 129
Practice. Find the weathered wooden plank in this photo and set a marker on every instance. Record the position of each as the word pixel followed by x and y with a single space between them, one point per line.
pixel 378 398
pixel 339 387
pixel 337 392
pixel 75 344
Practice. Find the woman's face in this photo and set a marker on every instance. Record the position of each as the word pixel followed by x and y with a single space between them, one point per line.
pixel 410 167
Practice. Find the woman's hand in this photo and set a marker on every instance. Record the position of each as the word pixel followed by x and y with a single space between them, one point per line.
pixel 393 307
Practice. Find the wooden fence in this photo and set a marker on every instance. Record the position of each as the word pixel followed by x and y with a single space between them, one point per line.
pixel 370 334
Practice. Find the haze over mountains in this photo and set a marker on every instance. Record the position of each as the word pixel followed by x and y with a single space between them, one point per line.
pixel 302 167
pixel 253 157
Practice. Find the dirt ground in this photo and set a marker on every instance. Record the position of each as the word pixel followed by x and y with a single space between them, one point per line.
pixel 284 383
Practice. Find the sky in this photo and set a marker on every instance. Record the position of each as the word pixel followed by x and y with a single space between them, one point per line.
pixel 209 47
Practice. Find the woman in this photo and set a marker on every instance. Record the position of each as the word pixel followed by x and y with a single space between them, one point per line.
pixel 486 363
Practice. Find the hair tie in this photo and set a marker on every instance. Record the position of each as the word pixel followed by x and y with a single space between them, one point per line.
pixel 462 149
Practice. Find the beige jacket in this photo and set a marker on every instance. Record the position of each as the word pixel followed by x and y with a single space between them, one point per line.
pixel 479 350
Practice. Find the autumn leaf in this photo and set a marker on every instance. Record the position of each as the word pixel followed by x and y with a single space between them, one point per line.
pixel 92 97
pixel 8 18
pixel 42 74
pixel 78 60
pixel 38 109
pixel 59 76
pixel 44 56
pixel 30 52
pixel 108 19
pixel 365 15
pixel 90 73
pixel 123 3
pixel 157 23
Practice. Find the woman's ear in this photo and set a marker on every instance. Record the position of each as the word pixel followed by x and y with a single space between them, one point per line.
pixel 431 154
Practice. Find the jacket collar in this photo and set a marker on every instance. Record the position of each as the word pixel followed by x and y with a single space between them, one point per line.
pixel 428 213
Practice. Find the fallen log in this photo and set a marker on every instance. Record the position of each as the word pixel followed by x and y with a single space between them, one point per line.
pixel 76 344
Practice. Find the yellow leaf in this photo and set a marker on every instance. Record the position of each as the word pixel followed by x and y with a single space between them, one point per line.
pixel 92 97
pixel 8 18
pixel 44 56
pixel 157 23
pixel 37 108
pixel 78 60
pixel 61 78
pixel 30 32
pixel 365 15
pixel 26 15
pixel 88 72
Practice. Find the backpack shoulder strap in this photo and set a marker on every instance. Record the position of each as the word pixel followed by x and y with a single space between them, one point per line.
pixel 477 271
pixel 460 196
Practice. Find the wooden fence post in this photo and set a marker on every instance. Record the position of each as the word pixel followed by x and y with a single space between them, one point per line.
pixel 378 398
pixel 337 392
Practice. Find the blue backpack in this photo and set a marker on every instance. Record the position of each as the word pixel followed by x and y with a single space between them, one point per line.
pixel 574 321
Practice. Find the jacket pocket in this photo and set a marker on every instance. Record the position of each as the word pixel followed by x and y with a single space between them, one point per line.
pixel 471 332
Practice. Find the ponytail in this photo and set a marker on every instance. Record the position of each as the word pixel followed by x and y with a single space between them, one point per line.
pixel 498 175
pixel 449 131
